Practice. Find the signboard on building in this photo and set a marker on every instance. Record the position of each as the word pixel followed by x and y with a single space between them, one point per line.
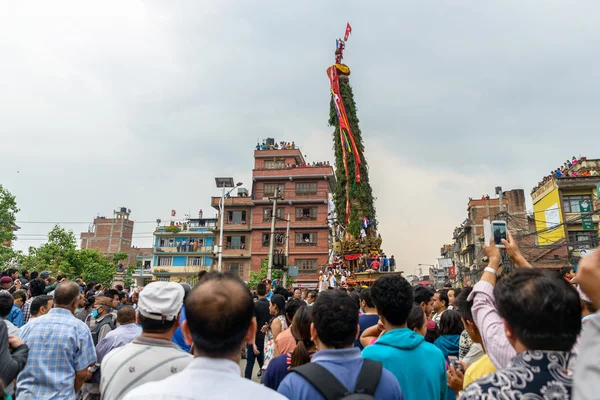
pixel 585 208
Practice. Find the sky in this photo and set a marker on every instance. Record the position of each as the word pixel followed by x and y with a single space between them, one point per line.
pixel 142 103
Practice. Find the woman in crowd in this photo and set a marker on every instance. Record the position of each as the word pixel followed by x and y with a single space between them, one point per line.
pixel 277 325
pixel 302 354
pixel 451 327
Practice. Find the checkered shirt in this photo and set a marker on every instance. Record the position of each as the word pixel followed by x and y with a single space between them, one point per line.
pixel 59 346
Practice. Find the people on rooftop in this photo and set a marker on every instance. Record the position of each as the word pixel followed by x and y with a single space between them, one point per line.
pixel 565 172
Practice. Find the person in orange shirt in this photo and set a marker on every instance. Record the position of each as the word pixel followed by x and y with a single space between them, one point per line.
pixel 285 341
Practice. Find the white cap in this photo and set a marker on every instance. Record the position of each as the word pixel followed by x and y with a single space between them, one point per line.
pixel 161 300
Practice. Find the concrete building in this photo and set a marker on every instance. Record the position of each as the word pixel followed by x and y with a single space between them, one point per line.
pixel 237 228
pixel 110 235
pixel 566 210
pixel 305 190
pixel 182 249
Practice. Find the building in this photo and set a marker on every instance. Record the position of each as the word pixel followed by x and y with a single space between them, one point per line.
pixel 566 210
pixel 237 229
pixel 304 190
pixel 182 249
pixel 467 252
pixel 113 235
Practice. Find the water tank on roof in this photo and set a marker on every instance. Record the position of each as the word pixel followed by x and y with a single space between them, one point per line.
pixel 123 209
pixel 269 141
pixel 242 192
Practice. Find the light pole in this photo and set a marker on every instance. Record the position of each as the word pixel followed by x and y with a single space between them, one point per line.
pixel 223 183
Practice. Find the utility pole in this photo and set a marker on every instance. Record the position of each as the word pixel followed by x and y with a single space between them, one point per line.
pixel 287 250
pixel 272 242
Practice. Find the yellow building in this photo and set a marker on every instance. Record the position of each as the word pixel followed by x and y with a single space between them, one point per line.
pixel 557 208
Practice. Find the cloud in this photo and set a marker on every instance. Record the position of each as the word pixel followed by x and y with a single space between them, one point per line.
pixel 142 103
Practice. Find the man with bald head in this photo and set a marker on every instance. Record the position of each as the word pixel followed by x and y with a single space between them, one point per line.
pixel 219 323
pixel 125 333
pixel 60 350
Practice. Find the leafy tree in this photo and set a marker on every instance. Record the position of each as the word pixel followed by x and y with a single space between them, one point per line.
pixel 8 211
pixel 119 256
pixel 257 277
pixel 128 281
pixel 360 193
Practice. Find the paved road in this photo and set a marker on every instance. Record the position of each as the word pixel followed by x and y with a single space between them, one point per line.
pixel 255 371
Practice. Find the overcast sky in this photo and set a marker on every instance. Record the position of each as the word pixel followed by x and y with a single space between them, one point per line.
pixel 142 103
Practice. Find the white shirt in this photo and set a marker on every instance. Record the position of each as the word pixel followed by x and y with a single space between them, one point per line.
pixel 205 378
pixel 141 361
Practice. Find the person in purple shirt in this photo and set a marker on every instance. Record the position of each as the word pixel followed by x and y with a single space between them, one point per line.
pixel 125 333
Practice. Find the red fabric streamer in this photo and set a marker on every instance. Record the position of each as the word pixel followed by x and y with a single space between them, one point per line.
pixel 348 31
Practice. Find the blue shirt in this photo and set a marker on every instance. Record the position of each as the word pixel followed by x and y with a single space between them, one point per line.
pixel 16 316
pixel 121 336
pixel 365 321
pixel 344 364
pixel 269 295
pixel 178 335
pixel 59 346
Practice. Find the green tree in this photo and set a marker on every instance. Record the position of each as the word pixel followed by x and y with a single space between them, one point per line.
pixel 257 277
pixel 8 211
pixel 361 194
pixel 128 281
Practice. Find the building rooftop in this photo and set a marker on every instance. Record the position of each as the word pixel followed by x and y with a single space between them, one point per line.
pixel 571 169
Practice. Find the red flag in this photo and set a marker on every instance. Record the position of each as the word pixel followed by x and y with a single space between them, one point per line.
pixel 348 31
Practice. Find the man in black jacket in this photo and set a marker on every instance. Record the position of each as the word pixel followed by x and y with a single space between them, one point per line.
pixel 11 363
pixel 262 315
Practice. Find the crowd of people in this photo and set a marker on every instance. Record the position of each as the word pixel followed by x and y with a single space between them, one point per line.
pixel 276 146
pixel 564 171
pixel 508 337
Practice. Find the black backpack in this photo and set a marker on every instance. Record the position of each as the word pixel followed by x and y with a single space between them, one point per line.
pixel 332 389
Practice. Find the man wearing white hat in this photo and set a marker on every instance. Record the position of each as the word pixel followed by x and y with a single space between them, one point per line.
pixel 152 356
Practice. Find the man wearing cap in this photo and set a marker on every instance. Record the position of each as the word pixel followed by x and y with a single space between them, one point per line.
pixel 220 322
pixel 5 283
pixel 152 356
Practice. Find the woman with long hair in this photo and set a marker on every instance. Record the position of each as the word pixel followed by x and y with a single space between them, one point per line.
pixel 302 354
pixel 274 327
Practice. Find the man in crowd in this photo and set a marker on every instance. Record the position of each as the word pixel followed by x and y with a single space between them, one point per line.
pixel 334 329
pixel 219 322
pixel 41 305
pixel 25 274
pixel 423 297
pixel 123 300
pixel 269 288
pixel 480 368
pixel 255 352
pixel 122 335
pixel 36 288
pixel 6 283
pixel 60 350
pixel 6 305
pixel 312 296
pixel 16 315
pixel 440 304
pixel 369 316
pixel 178 338
pixel 540 316
pixel 13 356
pixel 452 294
pixel 100 321
pixel 587 373
pixel 153 355
pixel 419 366
pixel 285 340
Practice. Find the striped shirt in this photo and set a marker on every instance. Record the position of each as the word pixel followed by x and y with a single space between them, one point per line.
pixel 141 361
pixel 26 310
pixel 59 346
pixel 491 325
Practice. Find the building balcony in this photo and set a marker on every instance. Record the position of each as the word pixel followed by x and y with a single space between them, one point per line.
pixel 292 173
pixel 194 231
pixel 188 270
pixel 237 201
pixel 183 250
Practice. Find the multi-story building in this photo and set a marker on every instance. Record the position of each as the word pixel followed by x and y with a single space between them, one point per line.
pixel 566 210
pixel 468 238
pixel 110 235
pixel 237 228
pixel 181 250
pixel 305 190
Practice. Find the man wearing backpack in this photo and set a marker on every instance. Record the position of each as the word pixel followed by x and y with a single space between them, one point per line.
pixel 337 370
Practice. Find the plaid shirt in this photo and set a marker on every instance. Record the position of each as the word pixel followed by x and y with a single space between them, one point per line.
pixel 26 310
pixel 59 346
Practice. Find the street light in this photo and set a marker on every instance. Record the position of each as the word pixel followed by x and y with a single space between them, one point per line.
pixel 223 183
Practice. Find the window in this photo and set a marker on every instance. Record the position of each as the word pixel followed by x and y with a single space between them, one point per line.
pixel 166 243
pixel 268 211
pixel 306 239
pixel 279 239
pixel 306 214
pixel 583 239
pixel 306 189
pixel 236 217
pixel 195 261
pixel 571 203
pixel 164 279
pixel 306 266
pixel 235 268
pixel 269 189
pixel 273 164
pixel 147 264
pixel 236 242
pixel 165 261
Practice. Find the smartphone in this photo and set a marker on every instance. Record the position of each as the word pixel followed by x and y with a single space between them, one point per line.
pixel 499 233
pixel 454 361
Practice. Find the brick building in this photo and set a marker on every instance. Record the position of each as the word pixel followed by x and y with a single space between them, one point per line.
pixel 304 190
pixel 113 235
